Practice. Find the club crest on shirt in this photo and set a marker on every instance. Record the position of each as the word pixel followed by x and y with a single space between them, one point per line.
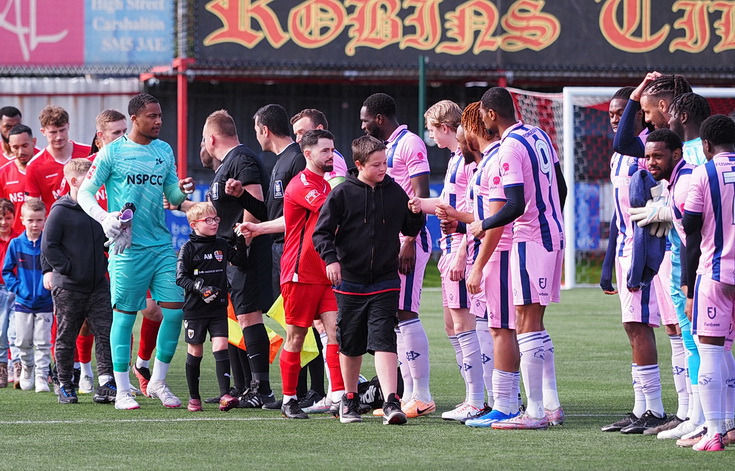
pixel 278 188
pixel 218 255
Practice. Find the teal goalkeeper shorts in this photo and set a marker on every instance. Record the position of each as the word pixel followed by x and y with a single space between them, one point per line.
pixel 136 271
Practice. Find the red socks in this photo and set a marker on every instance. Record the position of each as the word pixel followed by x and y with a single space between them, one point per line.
pixel 83 353
pixel 290 367
pixel 148 335
pixel 335 372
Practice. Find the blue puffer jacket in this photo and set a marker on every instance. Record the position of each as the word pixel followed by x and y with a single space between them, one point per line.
pixel 23 275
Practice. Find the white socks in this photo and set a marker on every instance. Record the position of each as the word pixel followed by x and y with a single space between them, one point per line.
pixel 160 369
pixel 650 378
pixel 323 338
pixel 710 386
pixel 86 369
pixel 141 363
pixel 488 356
pixel 531 345
pixel 551 396
pixel 416 344
pixel 472 366
pixel 457 353
pixel 403 365
pixel 122 381
pixel 639 407
pixel 505 391
pixel 729 386
pixel 679 370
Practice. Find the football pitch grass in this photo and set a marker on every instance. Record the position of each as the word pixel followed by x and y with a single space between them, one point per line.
pixel 593 369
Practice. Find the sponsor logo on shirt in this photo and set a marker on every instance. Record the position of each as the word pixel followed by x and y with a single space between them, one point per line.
pixel 143 179
pixel 311 196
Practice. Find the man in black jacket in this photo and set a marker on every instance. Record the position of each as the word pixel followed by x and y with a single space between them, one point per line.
pixel 370 210
pixel 75 269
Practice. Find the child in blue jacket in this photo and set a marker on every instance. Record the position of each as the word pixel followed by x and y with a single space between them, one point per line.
pixel 33 304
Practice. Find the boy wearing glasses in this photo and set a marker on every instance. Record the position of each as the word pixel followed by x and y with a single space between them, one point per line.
pixel 202 272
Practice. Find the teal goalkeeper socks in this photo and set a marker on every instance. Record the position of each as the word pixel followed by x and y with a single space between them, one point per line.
pixel 168 334
pixel 120 332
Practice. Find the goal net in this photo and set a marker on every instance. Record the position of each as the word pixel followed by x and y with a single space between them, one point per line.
pixel 577 122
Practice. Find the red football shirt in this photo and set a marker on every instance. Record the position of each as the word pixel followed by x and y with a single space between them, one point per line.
pixel 10 157
pixel 305 195
pixel 12 187
pixel 45 176
pixel 101 195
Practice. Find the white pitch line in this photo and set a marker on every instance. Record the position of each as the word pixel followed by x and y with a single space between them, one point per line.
pixel 201 419
pixel 117 421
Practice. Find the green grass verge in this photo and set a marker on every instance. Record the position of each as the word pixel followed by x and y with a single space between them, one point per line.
pixel 593 367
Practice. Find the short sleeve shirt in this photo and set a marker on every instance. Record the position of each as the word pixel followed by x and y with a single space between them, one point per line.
pixel 304 197
pixel 242 164
pixel 488 188
pixel 290 162
pixel 407 159
pixel 712 196
pixel 454 193
pixel 45 176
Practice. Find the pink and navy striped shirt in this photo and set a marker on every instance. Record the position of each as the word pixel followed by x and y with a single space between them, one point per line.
pixel 527 158
pixel 712 195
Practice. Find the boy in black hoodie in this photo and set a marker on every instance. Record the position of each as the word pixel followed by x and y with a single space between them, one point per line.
pixel 75 271
pixel 202 271
pixel 357 236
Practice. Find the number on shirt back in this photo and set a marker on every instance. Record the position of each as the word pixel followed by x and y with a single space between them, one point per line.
pixel 729 179
pixel 544 157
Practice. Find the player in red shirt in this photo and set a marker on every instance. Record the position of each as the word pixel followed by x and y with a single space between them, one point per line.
pixel 13 174
pixel 45 175
pixel 10 117
pixel 307 292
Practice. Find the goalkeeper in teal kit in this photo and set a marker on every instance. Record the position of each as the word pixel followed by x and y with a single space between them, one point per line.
pixel 137 170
